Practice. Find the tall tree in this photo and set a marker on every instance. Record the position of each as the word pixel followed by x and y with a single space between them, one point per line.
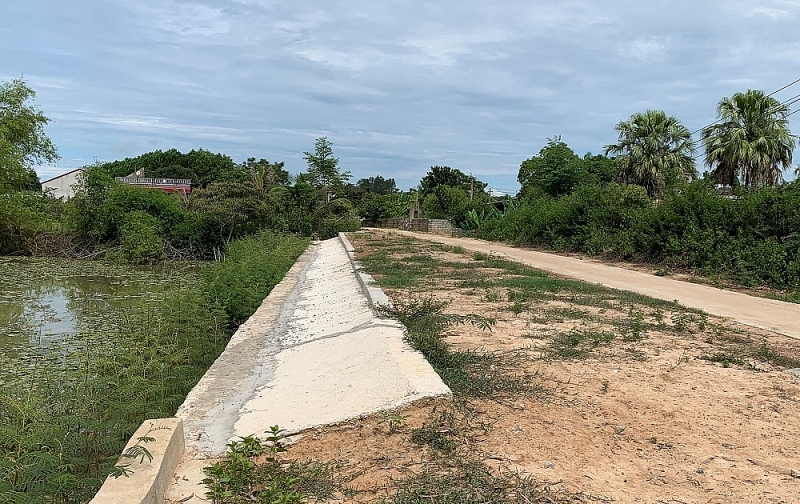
pixel 654 150
pixel 750 141
pixel 555 171
pixel 446 176
pixel 23 142
pixel 323 168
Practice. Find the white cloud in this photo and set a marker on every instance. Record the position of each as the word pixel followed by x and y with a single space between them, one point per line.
pixel 648 50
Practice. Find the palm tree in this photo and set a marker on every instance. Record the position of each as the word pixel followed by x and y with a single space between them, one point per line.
pixel 750 140
pixel 654 150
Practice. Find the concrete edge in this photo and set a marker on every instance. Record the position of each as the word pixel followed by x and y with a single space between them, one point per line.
pixel 375 296
pixel 148 482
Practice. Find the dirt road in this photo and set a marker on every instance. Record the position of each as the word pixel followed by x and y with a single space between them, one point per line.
pixel 777 316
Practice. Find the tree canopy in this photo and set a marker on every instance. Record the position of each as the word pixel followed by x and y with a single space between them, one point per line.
pixel 556 171
pixel 377 185
pixel 323 168
pixel 23 142
pixel 750 141
pixel 654 150
pixel 451 177
pixel 200 165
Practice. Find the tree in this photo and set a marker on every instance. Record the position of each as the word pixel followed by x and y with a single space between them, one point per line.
pixel 377 185
pixel 23 142
pixel 323 168
pixel 751 140
pixel 555 171
pixel 446 202
pixel 654 150
pixel 446 176
pixel 265 175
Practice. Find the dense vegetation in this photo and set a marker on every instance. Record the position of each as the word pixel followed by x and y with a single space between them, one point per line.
pixel 62 427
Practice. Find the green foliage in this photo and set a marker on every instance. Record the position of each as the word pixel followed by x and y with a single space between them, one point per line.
pixel 64 422
pixel 373 208
pixel 558 171
pixel 323 168
pixel 202 166
pixel 141 243
pixel 750 141
pixel 445 202
pixel 23 142
pixel 751 239
pixel 23 216
pixel 654 151
pixel 238 479
pixel 253 266
pixel 225 211
pixel 451 177
pixel 377 185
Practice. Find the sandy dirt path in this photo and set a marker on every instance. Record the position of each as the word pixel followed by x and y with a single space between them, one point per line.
pixel 777 316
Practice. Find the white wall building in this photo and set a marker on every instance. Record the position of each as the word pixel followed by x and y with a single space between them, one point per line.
pixel 62 187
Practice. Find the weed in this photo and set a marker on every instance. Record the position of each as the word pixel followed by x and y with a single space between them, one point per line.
pixel 393 421
pixel 723 358
pixel 766 353
pixel 492 296
pixel 636 330
pixel 237 479
pixel 467 373
pixel 605 385
pixel 577 344
pixel 438 432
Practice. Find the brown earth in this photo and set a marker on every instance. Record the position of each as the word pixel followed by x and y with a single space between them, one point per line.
pixel 646 420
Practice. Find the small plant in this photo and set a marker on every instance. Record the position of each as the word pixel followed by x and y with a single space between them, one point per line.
pixel 137 450
pixel 605 385
pixel 237 479
pixel 393 421
pixel 636 326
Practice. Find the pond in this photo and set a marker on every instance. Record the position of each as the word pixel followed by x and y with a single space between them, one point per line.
pixel 47 303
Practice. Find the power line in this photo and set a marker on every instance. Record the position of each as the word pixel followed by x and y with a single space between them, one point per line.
pixel 791 101
pixel 772 93
pixel 784 87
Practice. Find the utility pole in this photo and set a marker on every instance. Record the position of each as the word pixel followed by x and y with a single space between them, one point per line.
pixel 471 184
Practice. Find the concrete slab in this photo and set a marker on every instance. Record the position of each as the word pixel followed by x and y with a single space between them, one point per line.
pixel 314 353
pixel 149 479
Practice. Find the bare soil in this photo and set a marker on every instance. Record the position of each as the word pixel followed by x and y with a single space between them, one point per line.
pixel 650 418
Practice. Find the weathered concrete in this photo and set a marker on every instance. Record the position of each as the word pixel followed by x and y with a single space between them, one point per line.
pixel 314 353
pixel 148 480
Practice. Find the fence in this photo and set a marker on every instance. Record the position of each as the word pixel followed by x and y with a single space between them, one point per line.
pixel 435 226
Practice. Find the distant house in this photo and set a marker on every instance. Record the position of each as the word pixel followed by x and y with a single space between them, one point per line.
pixel 62 186
pixel 168 185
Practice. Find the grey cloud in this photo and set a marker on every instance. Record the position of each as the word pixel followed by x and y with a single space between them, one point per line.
pixel 396 86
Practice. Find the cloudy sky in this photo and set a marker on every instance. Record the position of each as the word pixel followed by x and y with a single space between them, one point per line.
pixel 396 86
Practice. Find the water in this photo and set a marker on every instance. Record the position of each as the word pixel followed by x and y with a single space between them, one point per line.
pixel 47 302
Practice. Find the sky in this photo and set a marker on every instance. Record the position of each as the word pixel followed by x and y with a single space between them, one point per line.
pixel 396 86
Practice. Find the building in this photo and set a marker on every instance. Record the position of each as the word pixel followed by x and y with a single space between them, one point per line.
pixel 168 185
pixel 63 186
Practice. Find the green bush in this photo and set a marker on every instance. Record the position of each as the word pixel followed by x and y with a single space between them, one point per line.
pixel 751 238
pixel 141 243
pixel 252 267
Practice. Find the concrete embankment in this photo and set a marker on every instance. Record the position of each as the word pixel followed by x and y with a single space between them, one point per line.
pixel 314 353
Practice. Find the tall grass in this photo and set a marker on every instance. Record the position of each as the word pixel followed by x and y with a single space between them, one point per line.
pixel 65 420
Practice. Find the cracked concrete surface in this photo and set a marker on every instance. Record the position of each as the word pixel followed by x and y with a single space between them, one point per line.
pixel 314 353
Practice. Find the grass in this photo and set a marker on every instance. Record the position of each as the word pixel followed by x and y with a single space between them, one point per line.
pixel 606 323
